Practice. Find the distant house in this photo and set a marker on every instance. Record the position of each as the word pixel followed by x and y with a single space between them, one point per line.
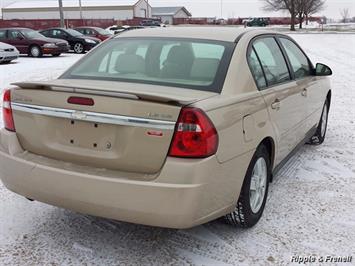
pixel 168 14
pixel 99 9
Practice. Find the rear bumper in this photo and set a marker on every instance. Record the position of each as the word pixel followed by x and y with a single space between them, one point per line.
pixel 183 194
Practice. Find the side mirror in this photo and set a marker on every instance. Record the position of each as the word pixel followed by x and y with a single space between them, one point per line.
pixel 20 37
pixel 323 70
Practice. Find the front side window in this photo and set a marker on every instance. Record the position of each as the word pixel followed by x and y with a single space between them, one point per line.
pixel 31 34
pixel 298 60
pixel 272 60
pixel 14 34
pixel 57 33
pixel 186 63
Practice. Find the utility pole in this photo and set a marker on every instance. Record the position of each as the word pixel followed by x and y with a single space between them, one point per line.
pixel 1 8
pixel 147 13
pixel 221 8
pixel 81 11
pixel 61 14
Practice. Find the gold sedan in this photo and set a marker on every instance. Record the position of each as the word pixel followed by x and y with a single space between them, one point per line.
pixel 170 127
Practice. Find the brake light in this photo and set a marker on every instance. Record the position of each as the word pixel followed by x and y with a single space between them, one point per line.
pixel 7 111
pixel 81 101
pixel 195 135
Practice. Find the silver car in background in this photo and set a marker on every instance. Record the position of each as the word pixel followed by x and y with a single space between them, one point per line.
pixel 8 53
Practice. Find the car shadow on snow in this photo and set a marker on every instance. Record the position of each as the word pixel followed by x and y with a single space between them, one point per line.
pixel 105 241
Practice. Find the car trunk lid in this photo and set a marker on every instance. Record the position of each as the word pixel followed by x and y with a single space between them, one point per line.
pixel 129 127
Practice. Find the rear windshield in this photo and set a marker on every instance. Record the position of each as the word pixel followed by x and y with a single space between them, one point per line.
pixel 102 31
pixel 74 33
pixel 185 63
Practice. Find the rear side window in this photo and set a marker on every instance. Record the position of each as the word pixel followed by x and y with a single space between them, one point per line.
pixel 2 34
pixel 185 63
pixel 45 33
pixel 298 60
pixel 256 69
pixel 272 60
pixel 83 31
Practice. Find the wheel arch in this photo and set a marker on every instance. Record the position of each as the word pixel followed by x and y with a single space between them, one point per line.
pixel 269 144
pixel 329 98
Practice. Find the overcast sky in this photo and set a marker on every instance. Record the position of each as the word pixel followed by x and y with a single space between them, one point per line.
pixel 237 8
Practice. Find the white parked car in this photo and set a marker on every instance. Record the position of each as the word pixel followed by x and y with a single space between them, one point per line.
pixel 115 29
pixel 8 53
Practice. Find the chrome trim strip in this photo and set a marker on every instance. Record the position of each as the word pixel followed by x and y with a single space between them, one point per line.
pixel 94 117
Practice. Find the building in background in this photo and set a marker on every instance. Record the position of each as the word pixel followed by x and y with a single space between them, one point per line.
pixel 99 9
pixel 168 14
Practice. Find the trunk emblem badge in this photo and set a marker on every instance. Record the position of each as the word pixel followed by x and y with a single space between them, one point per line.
pixel 78 115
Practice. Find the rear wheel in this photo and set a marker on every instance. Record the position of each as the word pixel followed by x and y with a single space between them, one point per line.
pixel 319 136
pixel 35 51
pixel 79 48
pixel 253 195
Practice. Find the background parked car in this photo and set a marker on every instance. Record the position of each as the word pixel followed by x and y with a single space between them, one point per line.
pixel 257 22
pixel 77 41
pixel 95 32
pixel 8 53
pixel 151 23
pixel 28 41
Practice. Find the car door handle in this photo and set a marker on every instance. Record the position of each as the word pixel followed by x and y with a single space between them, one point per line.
pixel 304 92
pixel 276 105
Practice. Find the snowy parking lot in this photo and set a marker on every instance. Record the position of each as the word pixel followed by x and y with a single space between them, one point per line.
pixel 310 209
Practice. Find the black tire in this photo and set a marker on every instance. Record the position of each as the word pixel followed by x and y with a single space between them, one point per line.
pixel 35 51
pixel 319 137
pixel 243 215
pixel 56 55
pixel 78 48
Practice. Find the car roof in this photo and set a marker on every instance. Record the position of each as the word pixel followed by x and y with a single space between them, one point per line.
pixel 86 27
pixel 16 28
pixel 229 34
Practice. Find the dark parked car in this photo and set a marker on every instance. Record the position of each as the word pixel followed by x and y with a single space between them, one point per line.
pixel 257 22
pixel 77 41
pixel 150 23
pixel 30 42
pixel 95 32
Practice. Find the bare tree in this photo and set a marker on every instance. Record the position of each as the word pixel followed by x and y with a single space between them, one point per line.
pixel 279 5
pixel 305 8
pixel 344 14
pixel 301 9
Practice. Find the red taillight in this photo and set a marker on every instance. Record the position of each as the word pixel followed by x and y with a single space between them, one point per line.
pixel 195 136
pixel 81 101
pixel 7 111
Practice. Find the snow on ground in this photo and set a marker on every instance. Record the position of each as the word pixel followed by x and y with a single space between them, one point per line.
pixel 310 210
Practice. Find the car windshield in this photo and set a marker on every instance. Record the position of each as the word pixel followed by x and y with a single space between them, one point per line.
pixel 186 63
pixel 102 31
pixel 74 33
pixel 31 34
